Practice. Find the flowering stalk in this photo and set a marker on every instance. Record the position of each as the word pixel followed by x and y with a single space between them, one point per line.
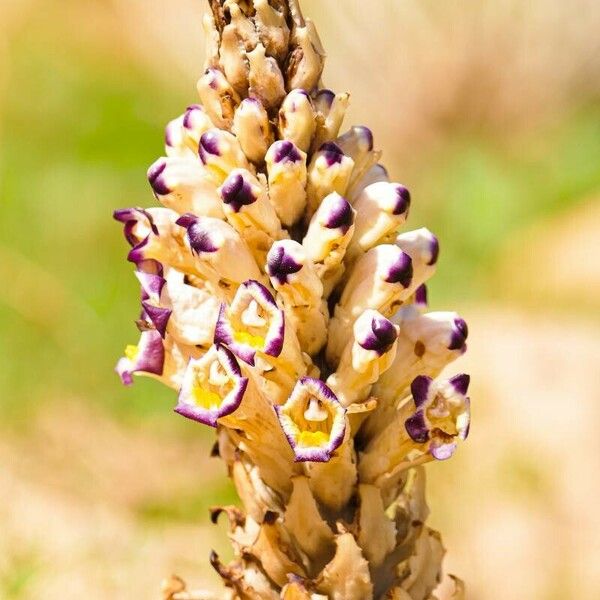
pixel 282 300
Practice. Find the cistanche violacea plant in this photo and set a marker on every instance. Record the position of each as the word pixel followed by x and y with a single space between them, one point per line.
pixel 284 303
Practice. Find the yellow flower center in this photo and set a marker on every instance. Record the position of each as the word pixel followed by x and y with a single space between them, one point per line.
pixel 312 438
pixel 205 398
pixel 131 352
pixel 254 341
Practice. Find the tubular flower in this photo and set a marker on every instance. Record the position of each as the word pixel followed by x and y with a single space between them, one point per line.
pixel 313 421
pixel 212 387
pixel 442 414
pixel 285 301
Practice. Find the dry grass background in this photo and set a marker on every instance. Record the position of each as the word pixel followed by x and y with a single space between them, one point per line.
pixel 488 110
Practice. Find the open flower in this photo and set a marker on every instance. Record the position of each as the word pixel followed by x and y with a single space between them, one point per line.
pixel 442 414
pixel 147 357
pixel 313 420
pixel 252 323
pixel 213 387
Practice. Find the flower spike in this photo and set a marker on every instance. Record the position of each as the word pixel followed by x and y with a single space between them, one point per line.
pixel 283 300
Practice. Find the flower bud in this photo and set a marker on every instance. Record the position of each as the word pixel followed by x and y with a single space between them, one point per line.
pixel 297 119
pixel 220 255
pixel 331 109
pixel 293 275
pixel 369 354
pixel 220 153
pixel 423 248
pixel 329 171
pixel 380 280
pixel 328 235
pixel 306 61
pixel 286 168
pixel 382 208
pixel 357 143
pixel 218 97
pixel 376 174
pixel 252 128
pixel 182 135
pixel 265 78
pixel 183 185
pixel 247 207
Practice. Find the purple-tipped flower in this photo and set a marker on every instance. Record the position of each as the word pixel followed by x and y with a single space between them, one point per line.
pixel 150 275
pixel 323 100
pixel 148 357
pixel 331 153
pixel 442 414
pixel 138 222
pixel 220 153
pixel 459 335
pixel 213 387
pixel 159 316
pixel 253 323
pixel 285 151
pixel 313 421
pixel 201 238
pixel 338 214
pixel 380 334
pixel 281 263
pixel 358 139
pixel 157 183
pixel 423 248
pixel 401 270
pixel 237 192
pixel 421 300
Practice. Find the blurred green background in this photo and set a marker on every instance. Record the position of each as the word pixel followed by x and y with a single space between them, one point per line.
pixel 488 111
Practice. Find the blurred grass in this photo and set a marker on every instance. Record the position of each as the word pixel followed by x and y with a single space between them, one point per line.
pixel 79 149
pixel 82 119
